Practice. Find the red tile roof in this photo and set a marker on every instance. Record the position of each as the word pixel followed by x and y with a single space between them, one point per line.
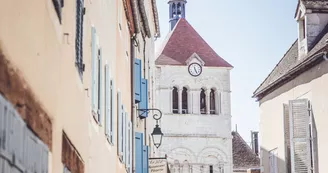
pixel 183 42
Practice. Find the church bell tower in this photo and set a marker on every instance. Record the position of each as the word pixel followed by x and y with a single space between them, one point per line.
pixel 177 11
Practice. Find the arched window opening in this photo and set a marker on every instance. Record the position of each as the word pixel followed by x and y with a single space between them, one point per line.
pixel 211 168
pixel 173 10
pixel 184 100
pixel 212 102
pixel 186 167
pixel 175 100
pixel 202 102
pixel 179 10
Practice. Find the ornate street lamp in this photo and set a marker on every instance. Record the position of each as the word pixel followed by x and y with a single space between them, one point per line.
pixel 157 134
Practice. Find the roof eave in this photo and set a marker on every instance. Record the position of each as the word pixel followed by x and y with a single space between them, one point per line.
pixel 299 69
pixel 156 19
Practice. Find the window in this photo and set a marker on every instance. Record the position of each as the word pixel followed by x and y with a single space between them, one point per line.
pixel 202 102
pixel 175 100
pixel 211 168
pixel 184 100
pixel 58 4
pixel 212 102
pixel 302 29
pixel 79 37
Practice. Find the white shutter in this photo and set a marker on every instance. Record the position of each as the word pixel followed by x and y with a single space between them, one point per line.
pixel 120 133
pixel 314 143
pixel 130 154
pixel 287 137
pixel 5 128
pixel 299 135
pixel 107 104
pixel 17 138
pixel 124 135
pixel 273 161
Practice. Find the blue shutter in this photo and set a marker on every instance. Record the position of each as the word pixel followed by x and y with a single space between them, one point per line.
pixel 112 130
pixel 144 98
pixel 137 80
pixel 119 115
pixel 139 152
pixel 94 53
pixel 108 103
pixel 100 92
pixel 145 159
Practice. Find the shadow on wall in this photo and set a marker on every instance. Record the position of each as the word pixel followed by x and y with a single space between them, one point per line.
pixel 305 153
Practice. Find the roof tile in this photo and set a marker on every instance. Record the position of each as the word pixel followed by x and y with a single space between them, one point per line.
pixel 183 42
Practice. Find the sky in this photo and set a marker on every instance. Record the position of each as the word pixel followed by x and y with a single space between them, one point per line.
pixel 251 35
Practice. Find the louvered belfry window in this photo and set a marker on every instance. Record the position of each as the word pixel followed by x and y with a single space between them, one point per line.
pixel 79 36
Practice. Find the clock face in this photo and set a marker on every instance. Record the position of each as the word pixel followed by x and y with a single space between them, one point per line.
pixel 195 69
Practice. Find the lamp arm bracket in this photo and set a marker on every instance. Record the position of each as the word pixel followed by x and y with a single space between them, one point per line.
pixel 155 116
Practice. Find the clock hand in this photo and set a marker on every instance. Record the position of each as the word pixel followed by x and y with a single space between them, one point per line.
pixel 195 69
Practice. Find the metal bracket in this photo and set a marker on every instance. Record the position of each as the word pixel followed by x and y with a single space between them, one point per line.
pixel 155 116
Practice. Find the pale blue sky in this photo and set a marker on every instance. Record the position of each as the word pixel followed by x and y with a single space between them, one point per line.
pixel 250 35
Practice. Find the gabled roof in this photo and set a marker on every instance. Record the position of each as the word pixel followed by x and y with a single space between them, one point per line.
pixel 314 5
pixel 182 42
pixel 290 63
pixel 243 156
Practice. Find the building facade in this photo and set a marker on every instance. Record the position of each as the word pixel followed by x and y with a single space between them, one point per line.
pixel 193 92
pixel 67 84
pixel 293 99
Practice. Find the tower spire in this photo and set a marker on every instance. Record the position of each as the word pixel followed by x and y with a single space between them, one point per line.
pixel 177 11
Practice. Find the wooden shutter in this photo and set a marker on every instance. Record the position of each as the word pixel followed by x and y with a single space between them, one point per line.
pixel 299 134
pixel 94 62
pixel 130 147
pixel 107 103
pixel 5 128
pixel 126 139
pixel 145 159
pixel 314 142
pixel 137 80
pixel 113 131
pixel 124 135
pixel 120 133
pixel 100 87
pixel 287 137
pixel 17 129
pixel 139 152
pixel 144 98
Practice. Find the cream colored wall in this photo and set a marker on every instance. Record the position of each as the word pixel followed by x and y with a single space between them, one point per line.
pixel 311 85
pixel 35 42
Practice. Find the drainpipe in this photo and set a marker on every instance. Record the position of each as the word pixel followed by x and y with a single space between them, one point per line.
pixel 132 93
pixel 144 69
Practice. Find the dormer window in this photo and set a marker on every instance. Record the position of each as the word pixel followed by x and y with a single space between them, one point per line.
pixel 302 29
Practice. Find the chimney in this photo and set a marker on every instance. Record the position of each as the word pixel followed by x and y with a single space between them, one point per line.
pixel 255 142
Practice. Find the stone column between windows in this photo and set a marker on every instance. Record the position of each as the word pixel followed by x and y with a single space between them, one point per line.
pixel 180 100
pixel 171 100
pixel 207 97
pixel 189 101
pixel 217 102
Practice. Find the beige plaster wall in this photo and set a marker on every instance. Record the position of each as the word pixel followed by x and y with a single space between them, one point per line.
pixel 311 85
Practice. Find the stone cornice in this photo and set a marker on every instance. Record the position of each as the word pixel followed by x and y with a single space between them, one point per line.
pixel 196 135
